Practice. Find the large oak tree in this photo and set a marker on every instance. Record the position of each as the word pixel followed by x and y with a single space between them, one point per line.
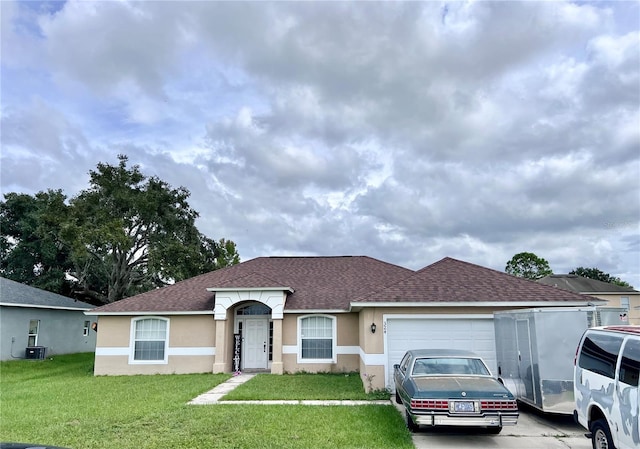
pixel 125 234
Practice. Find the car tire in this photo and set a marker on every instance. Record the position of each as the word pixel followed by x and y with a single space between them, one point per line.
pixel 601 435
pixel 410 424
pixel 398 399
pixel 494 430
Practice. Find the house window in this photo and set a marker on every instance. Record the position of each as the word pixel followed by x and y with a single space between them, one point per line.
pixel 34 327
pixel 85 328
pixel 317 339
pixel 624 302
pixel 149 337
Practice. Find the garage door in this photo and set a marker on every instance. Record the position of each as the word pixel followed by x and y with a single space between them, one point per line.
pixel 472 334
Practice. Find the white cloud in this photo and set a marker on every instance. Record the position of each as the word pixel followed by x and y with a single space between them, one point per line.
pixel 404 131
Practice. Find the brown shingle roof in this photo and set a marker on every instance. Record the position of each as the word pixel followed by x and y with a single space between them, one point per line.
pixel 450 280
pixel 320 283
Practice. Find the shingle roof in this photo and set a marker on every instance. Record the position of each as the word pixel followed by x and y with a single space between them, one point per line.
pixel 319 283
pixel 15 293
pixel 579 284
pixel 453 281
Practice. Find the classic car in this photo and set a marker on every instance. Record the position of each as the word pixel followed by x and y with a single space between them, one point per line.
pixel 445 387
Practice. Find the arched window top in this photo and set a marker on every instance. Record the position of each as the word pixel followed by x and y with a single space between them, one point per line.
pixel 254 309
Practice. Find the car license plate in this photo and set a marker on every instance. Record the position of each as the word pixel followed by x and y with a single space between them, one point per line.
pixel 463 407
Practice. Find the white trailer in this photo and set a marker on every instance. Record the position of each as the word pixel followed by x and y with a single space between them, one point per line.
pixel 535 349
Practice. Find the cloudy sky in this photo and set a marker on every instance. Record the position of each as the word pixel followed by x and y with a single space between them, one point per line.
pixel 406 132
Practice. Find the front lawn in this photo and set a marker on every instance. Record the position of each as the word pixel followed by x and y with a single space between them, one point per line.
pixel 59 402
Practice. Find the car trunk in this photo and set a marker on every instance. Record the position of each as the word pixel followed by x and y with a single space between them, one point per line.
pixel 448 387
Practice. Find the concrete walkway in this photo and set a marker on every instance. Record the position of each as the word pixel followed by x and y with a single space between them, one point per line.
pixel 213 396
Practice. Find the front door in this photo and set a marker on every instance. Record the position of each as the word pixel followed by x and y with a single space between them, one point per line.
pixel 256 339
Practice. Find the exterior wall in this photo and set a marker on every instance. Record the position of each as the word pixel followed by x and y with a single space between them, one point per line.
pixel 347 347
pixel 614 300
pixel 191 347
pixel 198 343
pixel 61 331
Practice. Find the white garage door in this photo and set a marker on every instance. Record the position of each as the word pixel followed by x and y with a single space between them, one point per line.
pixel 471 334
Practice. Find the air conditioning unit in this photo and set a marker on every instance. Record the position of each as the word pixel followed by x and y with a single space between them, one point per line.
pixel 35 352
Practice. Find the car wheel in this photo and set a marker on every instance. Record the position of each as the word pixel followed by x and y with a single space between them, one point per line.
pixel 494 430
pixel 601 435
pixel 398 399
pixel 410 424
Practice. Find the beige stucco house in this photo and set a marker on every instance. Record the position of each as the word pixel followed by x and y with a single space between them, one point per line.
pixel 615 295
pixel 313 314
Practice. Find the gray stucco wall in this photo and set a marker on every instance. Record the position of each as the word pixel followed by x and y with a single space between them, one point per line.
pixel 61 331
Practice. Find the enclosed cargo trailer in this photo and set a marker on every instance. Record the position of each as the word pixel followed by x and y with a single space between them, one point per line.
pixel 535 349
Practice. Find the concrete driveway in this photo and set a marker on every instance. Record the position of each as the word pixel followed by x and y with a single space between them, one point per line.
pixel 534 431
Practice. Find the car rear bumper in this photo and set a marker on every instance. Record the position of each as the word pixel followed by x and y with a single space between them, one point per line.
pixel 486 420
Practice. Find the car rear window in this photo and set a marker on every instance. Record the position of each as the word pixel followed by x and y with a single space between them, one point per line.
pixel 449 366
pixel 599 354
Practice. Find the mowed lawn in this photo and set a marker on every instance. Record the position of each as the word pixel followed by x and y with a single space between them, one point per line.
pixel 59 402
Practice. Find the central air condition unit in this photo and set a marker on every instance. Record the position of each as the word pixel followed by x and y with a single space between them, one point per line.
pixel 35 352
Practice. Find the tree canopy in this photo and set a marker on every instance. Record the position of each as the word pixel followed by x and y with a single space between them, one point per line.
pixel 529 266
pixel 595 273
pixel 125 234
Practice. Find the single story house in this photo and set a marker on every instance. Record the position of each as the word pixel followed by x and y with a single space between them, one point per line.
pixel 313 314
pixel 35 323
pixel 615 295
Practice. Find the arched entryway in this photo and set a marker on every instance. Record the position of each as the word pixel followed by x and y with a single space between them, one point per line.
pixel 253 336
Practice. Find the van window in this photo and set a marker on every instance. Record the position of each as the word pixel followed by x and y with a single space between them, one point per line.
pixel 630 363
pixel 600 354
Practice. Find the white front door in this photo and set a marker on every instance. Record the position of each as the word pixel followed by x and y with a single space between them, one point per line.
pixel 256 343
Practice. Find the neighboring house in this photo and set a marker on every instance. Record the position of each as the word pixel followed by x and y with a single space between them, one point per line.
pixel 314 314
pixel 44 322
pixel 615 295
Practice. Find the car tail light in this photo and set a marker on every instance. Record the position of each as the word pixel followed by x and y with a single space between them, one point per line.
pixel 498 405
pixel 430 404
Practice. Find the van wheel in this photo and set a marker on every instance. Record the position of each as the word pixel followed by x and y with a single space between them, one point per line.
pixel 601 435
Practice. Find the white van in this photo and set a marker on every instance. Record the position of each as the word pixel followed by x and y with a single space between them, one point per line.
pixel 606 371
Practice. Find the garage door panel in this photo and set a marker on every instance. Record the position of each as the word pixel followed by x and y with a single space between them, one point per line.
pixel 471 334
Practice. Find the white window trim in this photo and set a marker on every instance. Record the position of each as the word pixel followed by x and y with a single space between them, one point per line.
pixel 132 343
pixel 334 340
pixel 29 335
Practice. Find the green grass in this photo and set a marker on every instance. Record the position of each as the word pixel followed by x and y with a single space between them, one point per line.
pixel 303 386
pixel 60 402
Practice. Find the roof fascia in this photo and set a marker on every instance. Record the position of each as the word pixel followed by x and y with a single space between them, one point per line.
pixel 361 305
pixel 158 312
pixel 316 311
pixel 618 293
pixel 39 306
